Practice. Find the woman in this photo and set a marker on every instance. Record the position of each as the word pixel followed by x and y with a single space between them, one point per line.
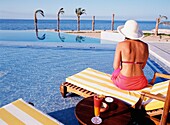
pixel 130 58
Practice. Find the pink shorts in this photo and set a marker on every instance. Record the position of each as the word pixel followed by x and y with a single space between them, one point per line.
pixel 128 83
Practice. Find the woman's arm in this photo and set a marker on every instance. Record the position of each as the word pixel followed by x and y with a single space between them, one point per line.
pixel 117 57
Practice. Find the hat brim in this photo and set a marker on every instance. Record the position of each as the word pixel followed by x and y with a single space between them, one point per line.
pixel 137 36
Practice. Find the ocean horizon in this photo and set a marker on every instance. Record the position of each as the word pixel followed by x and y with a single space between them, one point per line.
pixel 70 24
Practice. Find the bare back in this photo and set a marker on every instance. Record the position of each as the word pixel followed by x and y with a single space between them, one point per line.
pixel 131 51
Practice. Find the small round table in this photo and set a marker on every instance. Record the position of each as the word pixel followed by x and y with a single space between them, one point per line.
pixel 118 112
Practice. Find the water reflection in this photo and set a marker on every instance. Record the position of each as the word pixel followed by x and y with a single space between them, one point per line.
pixel 62 38
pixel 40 38
pixel 59 37
pixel 80 39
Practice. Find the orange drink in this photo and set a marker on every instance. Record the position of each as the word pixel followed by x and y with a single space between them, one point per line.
pixel 96 111
pixel 97 104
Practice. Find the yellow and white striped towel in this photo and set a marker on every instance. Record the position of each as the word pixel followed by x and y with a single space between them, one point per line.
pixel 21 113
pixel 101 83
pixel 157 89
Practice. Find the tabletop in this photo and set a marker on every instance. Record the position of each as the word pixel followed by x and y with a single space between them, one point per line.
pixel 118 112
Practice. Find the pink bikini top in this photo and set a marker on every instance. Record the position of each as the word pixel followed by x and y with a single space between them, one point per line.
pixel 132 62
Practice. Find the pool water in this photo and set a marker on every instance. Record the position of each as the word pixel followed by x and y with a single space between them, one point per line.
pixel 32 68
pixel 45 36
pixel 35 74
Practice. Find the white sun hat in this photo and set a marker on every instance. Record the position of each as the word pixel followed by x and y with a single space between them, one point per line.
pixel 131 30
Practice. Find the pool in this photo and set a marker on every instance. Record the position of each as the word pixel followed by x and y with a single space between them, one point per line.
pixel 25 38
pixel 35 74
pixel 43 36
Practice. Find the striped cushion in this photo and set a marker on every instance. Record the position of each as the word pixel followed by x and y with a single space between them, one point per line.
pixel 21 113
pixel 157 89
pixel 99 82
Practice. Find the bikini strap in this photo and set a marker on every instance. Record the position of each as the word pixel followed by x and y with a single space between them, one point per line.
pixel 132 62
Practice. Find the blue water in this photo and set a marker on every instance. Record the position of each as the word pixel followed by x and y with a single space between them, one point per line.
pixel 20 24
pixel 44 36
pixel 35 74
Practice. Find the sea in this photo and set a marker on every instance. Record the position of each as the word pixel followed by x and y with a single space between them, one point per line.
pixel 28 24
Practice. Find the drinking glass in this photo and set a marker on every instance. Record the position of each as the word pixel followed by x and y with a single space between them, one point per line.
pixel 97 104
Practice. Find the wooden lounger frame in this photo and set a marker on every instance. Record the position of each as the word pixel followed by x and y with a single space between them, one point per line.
pixel 68 87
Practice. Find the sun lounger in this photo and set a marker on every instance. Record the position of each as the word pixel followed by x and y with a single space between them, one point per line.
pixel 165 111
pixel 20 112
pixel 90 81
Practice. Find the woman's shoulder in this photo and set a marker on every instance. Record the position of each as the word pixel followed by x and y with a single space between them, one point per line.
pixel 123 43
pixel 145 44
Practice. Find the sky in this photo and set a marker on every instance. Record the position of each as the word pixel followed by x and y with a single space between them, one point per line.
pixel 101 9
